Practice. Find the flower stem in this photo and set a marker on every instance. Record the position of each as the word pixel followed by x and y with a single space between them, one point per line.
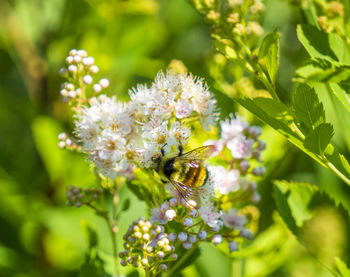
pixel 181 261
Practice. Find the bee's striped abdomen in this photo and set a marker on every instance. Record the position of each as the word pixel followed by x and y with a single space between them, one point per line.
pixel 195 176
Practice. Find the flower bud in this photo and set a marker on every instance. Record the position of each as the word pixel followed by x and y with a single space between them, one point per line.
pixel 163 267
pixel 246 234
pixel 172 237
pixel 123 262
pixel 73 52
pixel 96 88
pixel 182 236
pixel 144 261
pixel 77 59
pixel 69 59
pixel 104 83
pixel 187 245
pixel 72 68
pixel 173 257
pixel 172 202
pixel 160 254
pixel 202 235
pixel 232 246
pixel 87 79
pixel 82 53
pixel 192 238
pixel 188 222
pixel 93 69
pixel 193 213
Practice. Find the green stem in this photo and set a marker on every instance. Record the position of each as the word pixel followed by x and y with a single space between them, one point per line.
pixel 335 170
pixel 181 261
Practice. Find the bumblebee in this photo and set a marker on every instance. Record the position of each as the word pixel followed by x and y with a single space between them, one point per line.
pixel 186 171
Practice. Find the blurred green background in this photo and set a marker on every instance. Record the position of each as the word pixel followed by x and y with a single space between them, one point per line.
pixel 131 41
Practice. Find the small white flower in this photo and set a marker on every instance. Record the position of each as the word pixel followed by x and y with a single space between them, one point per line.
pixel 223 180
pixel 240 147
pixel 217 239
pixel 170 214
pixel 231 219
pixel 158 216
pixel 209 215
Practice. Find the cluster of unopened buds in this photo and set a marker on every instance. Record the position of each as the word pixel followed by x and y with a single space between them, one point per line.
pixel 78 196
pixel 66 142
pixel 147 246
pixel 79 74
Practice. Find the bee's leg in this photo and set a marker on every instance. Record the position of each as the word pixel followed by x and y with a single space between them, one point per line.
pixel 163 181
pixel 181 149
pixel 162 149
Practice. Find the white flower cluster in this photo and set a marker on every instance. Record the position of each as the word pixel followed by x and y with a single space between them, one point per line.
pixel 119 135
pixel 242 141
pixel 79 73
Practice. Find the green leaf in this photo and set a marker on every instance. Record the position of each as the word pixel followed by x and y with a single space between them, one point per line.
pixel 269 50
pixel 321 45
pixel 307 107
pixel 261 108
pixel 341 95
pixel 225 46
pixel 284 210
pixel 89 234
pixel 126 204
pixel 342 268
pixel 318 139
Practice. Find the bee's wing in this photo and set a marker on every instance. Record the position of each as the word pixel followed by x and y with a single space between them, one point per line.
pixel 186 192
pixel 200 153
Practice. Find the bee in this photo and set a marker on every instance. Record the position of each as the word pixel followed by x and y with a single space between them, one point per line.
pixel 185 171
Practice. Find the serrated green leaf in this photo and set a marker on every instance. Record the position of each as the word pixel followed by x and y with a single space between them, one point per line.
pixel 317 140
pixel 272 106
pixel 284 210
pixel 299 197
pixel 269 50
pixel 262 111
pixel 321 45
pixel 307 107
pixel 342 268
pixel 341 95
